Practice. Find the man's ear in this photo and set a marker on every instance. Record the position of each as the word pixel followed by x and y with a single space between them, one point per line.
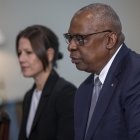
pixel 50 54
pixel 112 40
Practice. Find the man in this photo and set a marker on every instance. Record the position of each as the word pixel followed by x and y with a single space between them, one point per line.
pixel 96 45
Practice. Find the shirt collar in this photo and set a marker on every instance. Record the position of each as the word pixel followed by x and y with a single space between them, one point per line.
pixel 105 70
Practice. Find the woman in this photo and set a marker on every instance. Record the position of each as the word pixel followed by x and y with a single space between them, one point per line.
pixel 48 105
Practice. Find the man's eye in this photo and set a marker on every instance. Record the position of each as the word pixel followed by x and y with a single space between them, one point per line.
pixel 69 38
pixel 79 38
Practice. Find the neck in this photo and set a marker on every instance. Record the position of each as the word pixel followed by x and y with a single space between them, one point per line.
pixel 41 79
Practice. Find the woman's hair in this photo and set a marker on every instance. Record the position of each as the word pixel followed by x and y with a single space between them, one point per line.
pixel 41 39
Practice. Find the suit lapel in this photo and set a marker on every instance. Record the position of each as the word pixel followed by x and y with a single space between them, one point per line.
pixel 101 106
pixel 82 105
pixel 107 91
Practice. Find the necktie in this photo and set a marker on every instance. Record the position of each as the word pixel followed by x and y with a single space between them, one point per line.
pixel 95 95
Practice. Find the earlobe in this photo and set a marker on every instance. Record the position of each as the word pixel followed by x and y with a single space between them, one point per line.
pixel 112 40
pixel 50 54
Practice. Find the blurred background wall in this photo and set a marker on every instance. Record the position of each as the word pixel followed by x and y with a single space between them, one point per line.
pixel 56 14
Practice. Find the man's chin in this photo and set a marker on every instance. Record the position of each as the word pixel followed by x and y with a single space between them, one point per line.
pixel 82 68
pixel 79 67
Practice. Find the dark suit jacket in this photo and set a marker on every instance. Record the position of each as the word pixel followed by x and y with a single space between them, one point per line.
pixel 117 112
pixel 54 116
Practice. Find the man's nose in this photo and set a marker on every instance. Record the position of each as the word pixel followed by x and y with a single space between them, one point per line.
pixel 72 45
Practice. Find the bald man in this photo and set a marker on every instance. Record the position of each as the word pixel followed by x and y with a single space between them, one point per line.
pixel 96 45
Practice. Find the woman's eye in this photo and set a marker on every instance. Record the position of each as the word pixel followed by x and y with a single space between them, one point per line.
pixel 29 52
pixel 18 53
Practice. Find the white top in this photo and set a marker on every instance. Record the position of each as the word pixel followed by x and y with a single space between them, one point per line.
pixel 34 104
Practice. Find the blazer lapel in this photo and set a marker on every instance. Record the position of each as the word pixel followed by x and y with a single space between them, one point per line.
pixel 26 111
pixel 107 91
pixel 48 88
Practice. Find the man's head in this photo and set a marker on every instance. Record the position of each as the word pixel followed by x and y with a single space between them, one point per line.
pixel 94 35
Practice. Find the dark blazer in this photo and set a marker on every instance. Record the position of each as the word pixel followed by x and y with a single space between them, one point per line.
pixel 117 112
pixel 54 116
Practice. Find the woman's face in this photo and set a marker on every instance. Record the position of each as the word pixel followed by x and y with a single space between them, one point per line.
pixel 31 65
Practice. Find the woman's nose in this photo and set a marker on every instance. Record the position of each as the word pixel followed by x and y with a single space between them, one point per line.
pixel 21 57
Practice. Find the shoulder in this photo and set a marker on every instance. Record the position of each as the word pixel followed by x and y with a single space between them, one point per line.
pixel 63 94
pixel 63 84
pixel 131 57
pixel 132 62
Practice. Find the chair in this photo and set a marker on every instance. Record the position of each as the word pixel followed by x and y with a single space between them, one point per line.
pixel 4 125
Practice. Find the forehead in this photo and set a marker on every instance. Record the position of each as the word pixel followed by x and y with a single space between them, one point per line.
pixel 82 22
pixel 24 43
